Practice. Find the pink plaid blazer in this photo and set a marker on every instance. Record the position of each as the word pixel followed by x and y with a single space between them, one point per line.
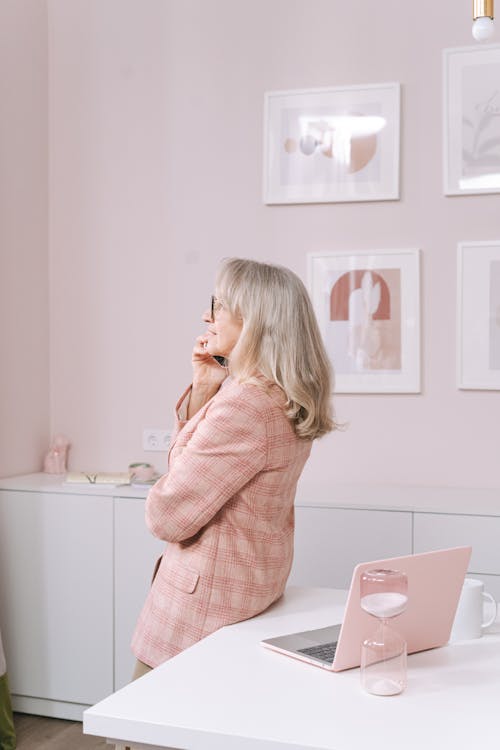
pixel 226 510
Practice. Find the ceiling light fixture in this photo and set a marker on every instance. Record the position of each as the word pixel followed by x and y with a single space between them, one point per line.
pixel 482 15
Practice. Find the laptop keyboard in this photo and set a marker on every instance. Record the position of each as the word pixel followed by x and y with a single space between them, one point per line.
pixel 324 651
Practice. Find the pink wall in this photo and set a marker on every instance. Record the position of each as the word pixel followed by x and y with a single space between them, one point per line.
pixel 24 307
pixel 155 147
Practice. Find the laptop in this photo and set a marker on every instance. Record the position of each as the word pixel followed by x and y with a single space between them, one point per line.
pixel 435 580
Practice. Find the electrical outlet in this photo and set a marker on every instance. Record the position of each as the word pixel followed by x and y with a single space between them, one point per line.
pixel 155 439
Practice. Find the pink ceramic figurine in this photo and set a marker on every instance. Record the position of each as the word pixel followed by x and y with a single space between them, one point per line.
pixel 55 460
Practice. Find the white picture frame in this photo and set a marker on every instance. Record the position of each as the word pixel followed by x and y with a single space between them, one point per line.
pixel 478 315
pixel 368 308
pixel 332 145
pixel 471 120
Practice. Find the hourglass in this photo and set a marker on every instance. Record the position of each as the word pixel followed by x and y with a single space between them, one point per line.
pixel 384 595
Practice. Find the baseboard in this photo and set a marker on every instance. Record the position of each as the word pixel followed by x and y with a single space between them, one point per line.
pixel 43 707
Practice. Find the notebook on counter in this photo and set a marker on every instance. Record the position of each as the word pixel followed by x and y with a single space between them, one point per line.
pixel 435 580
pixel 109 478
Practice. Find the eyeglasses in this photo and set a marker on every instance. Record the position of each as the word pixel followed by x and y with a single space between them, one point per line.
pixel 215 307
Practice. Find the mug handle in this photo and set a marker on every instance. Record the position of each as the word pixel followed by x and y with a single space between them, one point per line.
pixel 489 598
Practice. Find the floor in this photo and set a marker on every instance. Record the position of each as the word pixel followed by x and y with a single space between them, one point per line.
pixel 41 733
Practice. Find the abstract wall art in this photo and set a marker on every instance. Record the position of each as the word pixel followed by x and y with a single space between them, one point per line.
pixel 332 145
pixel 368 308
pixel 478 307
pixel 471 96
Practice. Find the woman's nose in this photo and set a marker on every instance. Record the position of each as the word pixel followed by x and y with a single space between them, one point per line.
pixel 207 316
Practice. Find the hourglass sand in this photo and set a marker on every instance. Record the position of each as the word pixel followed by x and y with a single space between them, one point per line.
pixel 384 595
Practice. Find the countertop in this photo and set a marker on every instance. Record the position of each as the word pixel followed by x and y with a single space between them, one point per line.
pixel 483 501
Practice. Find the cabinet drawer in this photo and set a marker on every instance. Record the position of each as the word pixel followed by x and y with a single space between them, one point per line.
pixel 136 552
pixel 329 542
pixel 56 595
pixel 435 530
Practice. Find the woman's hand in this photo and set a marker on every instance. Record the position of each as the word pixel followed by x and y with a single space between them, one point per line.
pixel 208 375
pixel 206 370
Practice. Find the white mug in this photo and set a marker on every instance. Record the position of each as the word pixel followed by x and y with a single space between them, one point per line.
pixel 470 621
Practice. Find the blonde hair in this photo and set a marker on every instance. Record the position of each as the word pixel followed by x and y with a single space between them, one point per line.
pixel 280 339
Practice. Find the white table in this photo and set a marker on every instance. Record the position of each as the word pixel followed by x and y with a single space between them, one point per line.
pixel 229 693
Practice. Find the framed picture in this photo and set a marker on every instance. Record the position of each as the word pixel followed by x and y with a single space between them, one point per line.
pixel 332 145
pixel 478 330
pixel 471 120
pixel 368 309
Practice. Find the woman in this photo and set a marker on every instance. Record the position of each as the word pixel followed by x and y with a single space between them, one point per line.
pixel 244 432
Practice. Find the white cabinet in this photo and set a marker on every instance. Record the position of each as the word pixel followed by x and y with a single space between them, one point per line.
pixel 136 552
pixel 435 530
pixel 75 570
pixel 329 542
pixel 56 594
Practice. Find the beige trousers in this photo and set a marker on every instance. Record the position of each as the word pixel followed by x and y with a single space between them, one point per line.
pixel 140 669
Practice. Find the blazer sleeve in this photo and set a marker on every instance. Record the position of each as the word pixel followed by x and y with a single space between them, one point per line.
pixel 227 449
pixel 180 413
